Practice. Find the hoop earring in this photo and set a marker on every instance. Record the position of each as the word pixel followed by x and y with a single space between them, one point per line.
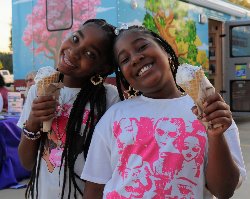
pixel 131 92
pixel 96 79
pixel 171 63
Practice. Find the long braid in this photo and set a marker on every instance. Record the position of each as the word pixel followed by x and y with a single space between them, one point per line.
pixel 121 81
pixel 77 141
pixel 32 186
pixel 78 137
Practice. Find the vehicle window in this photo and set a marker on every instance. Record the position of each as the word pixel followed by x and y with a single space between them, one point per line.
pixel 240 41
pixel 59 17
pixel 5 73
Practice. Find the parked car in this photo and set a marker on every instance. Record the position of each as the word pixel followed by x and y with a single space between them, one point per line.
pixel 8 78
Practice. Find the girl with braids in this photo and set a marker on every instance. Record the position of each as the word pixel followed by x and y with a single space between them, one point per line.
pixel 153 146
pixel 56 158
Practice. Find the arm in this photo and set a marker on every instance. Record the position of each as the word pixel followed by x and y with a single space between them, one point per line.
pixel 93 190
pixel 43 108
pixel 222 174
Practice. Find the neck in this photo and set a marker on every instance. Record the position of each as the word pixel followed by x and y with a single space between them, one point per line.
pixel 73 82
pixel 165 94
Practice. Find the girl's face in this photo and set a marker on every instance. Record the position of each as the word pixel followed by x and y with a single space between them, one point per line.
pixel 83 54
pixel 144 64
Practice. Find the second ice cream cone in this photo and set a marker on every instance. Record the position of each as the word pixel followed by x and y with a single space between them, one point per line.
pixel 199 88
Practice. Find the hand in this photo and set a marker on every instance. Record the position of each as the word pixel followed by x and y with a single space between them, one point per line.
pixel 43 109
pixel 216 111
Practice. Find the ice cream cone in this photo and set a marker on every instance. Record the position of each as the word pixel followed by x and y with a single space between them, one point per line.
pixel 199 88
pixel 48 86
pixel 42 85
pixel 192 87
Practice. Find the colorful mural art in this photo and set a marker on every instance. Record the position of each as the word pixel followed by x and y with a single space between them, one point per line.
pixel 170 19
pixel 177 22
pixel 39 39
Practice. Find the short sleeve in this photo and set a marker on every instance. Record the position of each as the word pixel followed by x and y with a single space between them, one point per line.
pixel 233 141
pixel 112 95
pixel 27 106
pixel 97 167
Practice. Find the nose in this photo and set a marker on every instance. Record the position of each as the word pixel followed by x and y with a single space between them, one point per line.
pixel 74 52
pixel 137 57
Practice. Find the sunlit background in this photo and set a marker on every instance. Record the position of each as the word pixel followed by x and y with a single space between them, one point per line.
pixel 5 25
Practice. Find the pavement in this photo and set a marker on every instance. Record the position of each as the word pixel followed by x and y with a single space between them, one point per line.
pixel 242 193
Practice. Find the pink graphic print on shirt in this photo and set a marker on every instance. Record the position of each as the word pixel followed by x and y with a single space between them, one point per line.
pixel 156 155
pixel 57 137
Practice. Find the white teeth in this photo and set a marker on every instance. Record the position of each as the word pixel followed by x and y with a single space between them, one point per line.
pixel 66 60
pixel 144 69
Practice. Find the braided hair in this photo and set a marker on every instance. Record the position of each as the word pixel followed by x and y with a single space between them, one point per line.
pixel 121 82
pixel 78 138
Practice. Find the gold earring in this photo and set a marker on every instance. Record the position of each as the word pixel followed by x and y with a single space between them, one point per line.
pixel 96 79
pixel 131 92
pixel 171 63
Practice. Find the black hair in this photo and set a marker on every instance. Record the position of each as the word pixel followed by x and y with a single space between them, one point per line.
pixel 121 82
pixel 78 139
pixel 2 83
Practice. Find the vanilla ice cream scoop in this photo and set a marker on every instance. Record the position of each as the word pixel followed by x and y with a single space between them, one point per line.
pixel 44 72
pixel 186 73
pixel 194 82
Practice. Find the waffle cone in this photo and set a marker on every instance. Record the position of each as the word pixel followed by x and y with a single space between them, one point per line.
pixel 198 89
pixel 43 84
pixel 48 86
pixel 192 87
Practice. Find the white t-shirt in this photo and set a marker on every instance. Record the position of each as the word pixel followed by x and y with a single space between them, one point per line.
pixel 153 148
pixel 48 182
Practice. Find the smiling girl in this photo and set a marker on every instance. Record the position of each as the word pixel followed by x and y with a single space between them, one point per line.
pixel 162 114
pixel 56 158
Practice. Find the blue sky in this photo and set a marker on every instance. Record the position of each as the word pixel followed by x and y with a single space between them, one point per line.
pixel 5 21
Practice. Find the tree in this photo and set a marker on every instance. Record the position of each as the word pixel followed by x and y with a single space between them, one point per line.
pixel 1 65
pixel 10 42
pixel 47 42
pixel 6 59
pixel 170 19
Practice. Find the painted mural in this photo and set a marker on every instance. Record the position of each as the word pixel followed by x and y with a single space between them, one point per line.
pixel 177 22
pixel 39 39
pixel 170 19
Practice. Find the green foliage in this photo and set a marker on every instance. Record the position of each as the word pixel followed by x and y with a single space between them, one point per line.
pixel 155 5
pixel 6 60
pixel 185 28
pixel 192 52
pixel 191 31
pixel 10 42
pixel 1 65
pixel 149 23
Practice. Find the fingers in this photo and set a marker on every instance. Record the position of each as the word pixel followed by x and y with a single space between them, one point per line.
pixel 217 111
pixel 43 108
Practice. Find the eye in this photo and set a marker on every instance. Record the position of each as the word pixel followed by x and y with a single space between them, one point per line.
pixel 124 60
pixel 142 47
pixel 196 149
pixel 160 132
pixel 90 54
pixel 75 39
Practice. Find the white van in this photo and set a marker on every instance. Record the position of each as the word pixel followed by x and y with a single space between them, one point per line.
pixel 8 78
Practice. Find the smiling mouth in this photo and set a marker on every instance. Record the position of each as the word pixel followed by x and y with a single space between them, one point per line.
pixel 66 60
pixel 144 69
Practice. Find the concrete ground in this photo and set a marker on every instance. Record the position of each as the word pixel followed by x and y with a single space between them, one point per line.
pixel 242 193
